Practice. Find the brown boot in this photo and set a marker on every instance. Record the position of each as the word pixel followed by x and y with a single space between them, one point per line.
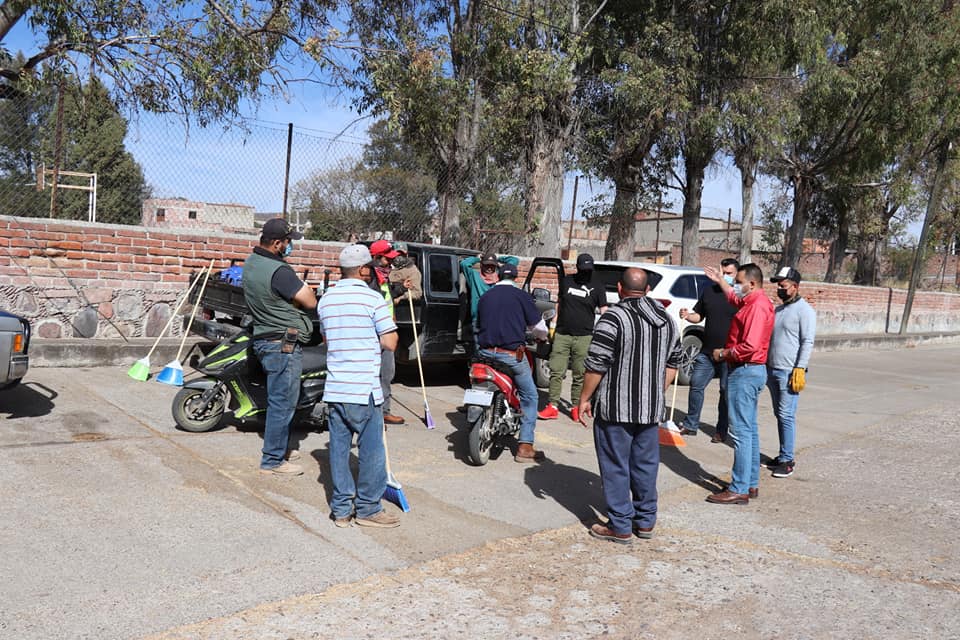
pixel 526 453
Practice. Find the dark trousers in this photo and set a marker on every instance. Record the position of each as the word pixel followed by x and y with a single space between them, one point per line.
pixel 629 458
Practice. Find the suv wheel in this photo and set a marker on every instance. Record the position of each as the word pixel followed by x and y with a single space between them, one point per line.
pixel 689 349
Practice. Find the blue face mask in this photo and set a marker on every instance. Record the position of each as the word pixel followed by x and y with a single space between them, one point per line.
pixel 728 278
pixel 288 249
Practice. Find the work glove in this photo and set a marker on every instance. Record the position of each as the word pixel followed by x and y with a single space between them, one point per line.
pixel 551 332
pixel 798 379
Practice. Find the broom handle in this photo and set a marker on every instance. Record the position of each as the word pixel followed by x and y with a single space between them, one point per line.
pixel 170 321
pixel 416 342
pixel 193 312
pixel 386 452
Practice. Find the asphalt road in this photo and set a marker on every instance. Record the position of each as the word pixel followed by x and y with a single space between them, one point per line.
pixel 116 525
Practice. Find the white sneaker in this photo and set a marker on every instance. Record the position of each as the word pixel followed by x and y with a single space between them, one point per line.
pixel 284 469
pixel 293 455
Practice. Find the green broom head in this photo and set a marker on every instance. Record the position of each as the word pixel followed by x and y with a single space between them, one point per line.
pixel 140 370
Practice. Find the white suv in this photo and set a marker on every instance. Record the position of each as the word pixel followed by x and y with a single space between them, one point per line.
pixel 676 288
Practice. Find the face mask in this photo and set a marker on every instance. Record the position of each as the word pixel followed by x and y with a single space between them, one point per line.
pixel 738 290
pixel 288 249
pixel 728 278
pixel 783 294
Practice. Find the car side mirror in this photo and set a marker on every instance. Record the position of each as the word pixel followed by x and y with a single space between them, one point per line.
pixel 540 293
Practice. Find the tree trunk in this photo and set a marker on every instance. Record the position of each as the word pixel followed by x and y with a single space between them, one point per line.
pixel 458 161
pixel 867 260
pixel 544 197
pixel 620 239
pixel 10 13
pixel 748 177
pixel 696 166
pixel 838 248
pixel 793 238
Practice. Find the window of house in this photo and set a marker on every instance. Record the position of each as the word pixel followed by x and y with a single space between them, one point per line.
pixel 192 215
pixel 161 215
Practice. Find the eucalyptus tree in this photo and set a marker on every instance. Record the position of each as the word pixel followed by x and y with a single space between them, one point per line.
pixel 199 60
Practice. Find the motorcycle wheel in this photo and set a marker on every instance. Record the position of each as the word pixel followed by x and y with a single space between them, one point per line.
pixel 482 436
pixel 189 419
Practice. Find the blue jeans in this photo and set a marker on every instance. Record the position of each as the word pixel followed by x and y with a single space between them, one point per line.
pixel 744 384
pixel 705 370
pixel 785 409
pixel 363 496
pixel 527 388
pixel 283 391
pixel 629 457
pixel 388 368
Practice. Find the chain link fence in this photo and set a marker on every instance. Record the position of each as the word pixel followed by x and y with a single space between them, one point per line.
pixel 73 157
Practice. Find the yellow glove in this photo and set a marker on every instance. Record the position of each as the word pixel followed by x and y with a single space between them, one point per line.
pixel 798 379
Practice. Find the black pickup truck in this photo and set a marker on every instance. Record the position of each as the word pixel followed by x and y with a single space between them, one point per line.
pixel 442 316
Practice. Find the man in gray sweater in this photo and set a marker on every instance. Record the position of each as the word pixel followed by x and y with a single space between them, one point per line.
pixel 790 347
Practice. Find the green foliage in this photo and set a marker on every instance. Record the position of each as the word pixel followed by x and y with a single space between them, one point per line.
pixel 198 60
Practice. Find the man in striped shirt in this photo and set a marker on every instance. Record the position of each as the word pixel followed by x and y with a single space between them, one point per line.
pixel 632 358
pixel 356 325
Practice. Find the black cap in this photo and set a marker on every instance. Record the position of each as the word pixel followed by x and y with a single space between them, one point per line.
pixel 585 262
pixel 787 273
pixel 508 272
pixel 489 259
pixel 278 229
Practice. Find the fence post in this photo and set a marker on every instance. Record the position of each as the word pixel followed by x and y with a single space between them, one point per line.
pixel 286 173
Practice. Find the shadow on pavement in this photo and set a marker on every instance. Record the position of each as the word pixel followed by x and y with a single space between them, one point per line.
pixel 576 490
pixel 689 469
pixel 27 400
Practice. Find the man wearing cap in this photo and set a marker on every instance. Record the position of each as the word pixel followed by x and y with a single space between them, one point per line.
pixel 794 329
pixel 278 301
pixel 478 283
pixel 580 299
pixel 383 253
pixel 357 325
pixel 406 281
pixel 504 314
pixel 745 353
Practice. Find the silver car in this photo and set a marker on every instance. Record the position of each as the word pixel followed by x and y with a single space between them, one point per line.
pixel 14 342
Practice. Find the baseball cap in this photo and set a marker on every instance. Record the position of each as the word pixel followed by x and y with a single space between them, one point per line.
pixel 584 262
pixel 787 273
pixel 508 271
pixel 354 255
pixel 489 259
pixel 383 248
pixel 278 228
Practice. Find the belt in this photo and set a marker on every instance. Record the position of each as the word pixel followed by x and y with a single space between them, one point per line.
pixel 740 364
pixel 512 352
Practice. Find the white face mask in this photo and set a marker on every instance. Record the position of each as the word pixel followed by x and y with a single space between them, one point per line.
pixel 738 290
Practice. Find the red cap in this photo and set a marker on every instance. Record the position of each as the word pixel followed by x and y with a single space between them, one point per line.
pixel 383 248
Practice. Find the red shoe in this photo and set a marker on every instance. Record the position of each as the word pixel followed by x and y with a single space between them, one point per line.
pixel 575 414
pixel 549 413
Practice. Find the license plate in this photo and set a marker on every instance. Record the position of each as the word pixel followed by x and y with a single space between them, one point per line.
pixel 479 397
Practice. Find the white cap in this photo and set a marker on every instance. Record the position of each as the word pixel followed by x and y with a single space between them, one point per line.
pixel 355 255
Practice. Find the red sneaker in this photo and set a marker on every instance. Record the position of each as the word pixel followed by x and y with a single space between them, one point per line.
pixel 549 413
pixel 575 414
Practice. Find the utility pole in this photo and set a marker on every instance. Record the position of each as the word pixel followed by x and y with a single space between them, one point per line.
pixel 573 208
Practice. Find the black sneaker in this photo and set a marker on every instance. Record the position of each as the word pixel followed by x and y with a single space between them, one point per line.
pixel 784 470
pixel 773 464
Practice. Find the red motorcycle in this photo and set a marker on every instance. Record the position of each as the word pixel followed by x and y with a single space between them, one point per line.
pixel 493 401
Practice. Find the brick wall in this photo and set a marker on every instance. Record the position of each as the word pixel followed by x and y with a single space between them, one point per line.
pixel 99 280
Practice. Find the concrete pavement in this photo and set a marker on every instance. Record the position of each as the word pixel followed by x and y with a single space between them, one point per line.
pixel 117 525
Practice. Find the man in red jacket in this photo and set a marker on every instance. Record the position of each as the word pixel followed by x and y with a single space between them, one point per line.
pixel 745 353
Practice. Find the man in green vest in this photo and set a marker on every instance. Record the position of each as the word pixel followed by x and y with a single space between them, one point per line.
pixel 279 303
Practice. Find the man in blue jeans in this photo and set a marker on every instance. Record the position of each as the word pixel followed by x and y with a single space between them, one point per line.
pixel 504 314
pixel 357 325
pixel 790 348
pixel 745 353
pixel 278 302
pixel 718 312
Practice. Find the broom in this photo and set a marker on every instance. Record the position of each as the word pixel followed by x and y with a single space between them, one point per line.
pixel 428 419
pixel 140 370
pixel 172 374
pixel 394 491
pixel 669 432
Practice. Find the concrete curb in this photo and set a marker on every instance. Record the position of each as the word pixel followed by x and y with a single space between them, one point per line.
pixel 114 352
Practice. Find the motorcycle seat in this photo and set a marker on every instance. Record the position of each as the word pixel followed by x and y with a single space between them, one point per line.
pixel 315 358
pixel 494 364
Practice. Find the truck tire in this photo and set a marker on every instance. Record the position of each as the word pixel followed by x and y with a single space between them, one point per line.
pixel 541 372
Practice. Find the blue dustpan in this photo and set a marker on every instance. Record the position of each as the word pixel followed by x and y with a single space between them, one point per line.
pixel 171 374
